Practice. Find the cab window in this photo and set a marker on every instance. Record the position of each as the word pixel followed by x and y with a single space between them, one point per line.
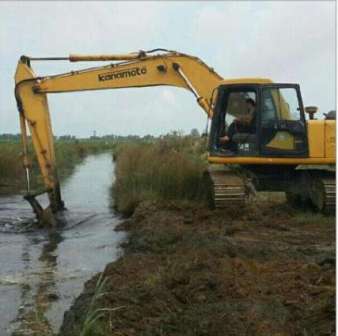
pixel 280 104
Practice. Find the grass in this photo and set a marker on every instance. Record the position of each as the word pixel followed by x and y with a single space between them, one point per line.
pixel 9 162
pixel 68 155
pixel 169 169
pixel 93 314
pixel 91 325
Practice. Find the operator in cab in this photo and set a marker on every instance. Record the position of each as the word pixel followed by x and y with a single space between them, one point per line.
pixel 243 124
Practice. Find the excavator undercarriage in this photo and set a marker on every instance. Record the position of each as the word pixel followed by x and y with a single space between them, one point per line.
pixel 304 188
pixel 226 188
pixel 323 195
pixel 314 187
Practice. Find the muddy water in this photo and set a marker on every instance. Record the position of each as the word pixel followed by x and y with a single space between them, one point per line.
pixel 42 271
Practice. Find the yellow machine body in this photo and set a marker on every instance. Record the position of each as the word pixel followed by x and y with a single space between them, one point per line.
pixel 322 139
pixel 321 142
pixel 144 69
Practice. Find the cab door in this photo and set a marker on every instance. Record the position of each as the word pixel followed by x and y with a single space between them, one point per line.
pixel 282 126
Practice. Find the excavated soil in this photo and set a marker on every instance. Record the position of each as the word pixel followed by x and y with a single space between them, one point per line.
pixel 266 269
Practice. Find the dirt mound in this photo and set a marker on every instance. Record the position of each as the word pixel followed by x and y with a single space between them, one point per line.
pixel 268 270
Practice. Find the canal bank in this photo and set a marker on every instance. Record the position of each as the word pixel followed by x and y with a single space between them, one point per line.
pixel 264 270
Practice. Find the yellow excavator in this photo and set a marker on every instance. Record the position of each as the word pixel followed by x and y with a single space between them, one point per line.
pixel 282 151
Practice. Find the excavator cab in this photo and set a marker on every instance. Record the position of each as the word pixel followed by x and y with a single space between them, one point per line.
pixel 275 127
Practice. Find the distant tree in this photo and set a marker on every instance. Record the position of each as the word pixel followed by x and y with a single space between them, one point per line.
pixel 175 133
pixel 7 137
pixel 67 138
pixel 194 132
pixel 148 138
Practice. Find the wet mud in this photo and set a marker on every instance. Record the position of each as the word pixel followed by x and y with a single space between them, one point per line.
pixel 266 269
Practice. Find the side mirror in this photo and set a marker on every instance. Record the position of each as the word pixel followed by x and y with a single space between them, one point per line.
pixel 311 110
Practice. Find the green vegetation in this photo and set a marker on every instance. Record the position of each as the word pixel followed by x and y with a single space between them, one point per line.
pixel 10 164
pixel 93 314
pixel 178 157
pixel 68 155
pixel 170 168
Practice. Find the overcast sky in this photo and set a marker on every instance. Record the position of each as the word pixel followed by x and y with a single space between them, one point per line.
pixel 287 41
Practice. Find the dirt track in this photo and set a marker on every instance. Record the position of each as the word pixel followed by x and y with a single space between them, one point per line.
pixel 263 270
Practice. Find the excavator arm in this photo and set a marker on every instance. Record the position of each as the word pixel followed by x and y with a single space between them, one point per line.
pixel 142 69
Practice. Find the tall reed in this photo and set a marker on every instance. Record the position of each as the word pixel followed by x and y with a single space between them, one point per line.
pixel 169 169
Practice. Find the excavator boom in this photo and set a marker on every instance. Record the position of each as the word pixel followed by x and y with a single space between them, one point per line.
pixel 143 69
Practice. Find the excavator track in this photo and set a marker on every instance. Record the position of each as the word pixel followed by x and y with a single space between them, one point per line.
pixel 226 189
pixel 323 194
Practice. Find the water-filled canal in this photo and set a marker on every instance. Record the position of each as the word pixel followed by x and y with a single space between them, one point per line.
pixel 42 271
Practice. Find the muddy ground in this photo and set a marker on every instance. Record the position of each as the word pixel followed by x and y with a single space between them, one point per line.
pixel 264 270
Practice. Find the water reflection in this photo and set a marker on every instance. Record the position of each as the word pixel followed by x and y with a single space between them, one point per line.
pixel 42 271
pixel 31 318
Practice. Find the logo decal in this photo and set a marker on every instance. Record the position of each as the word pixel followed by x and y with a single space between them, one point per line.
pixel 122 74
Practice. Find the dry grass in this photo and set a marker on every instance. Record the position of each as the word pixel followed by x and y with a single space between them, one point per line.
pixel 68 155
pixel 170 169
pixel 9 162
